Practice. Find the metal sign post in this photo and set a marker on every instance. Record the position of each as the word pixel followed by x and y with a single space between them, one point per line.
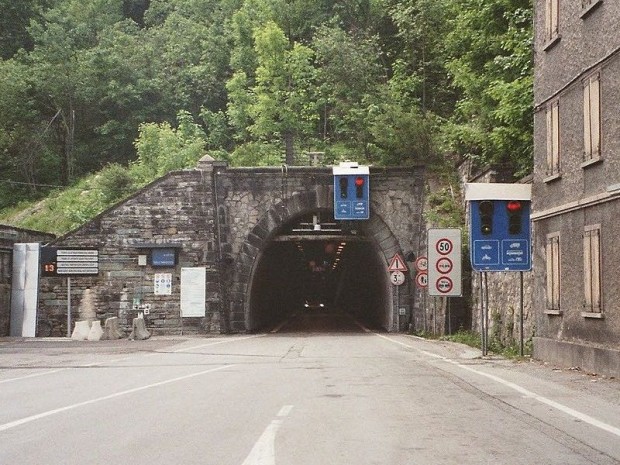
pixel 68 306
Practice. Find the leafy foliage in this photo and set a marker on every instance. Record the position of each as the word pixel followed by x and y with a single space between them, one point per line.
pixel 257 82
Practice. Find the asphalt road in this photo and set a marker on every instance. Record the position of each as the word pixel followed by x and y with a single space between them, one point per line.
pixel 319 391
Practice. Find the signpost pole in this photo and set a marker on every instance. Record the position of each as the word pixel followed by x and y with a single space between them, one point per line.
pixel 68 306
pixel 521 317
pixel 486 314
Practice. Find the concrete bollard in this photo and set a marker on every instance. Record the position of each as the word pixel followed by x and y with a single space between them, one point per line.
pixel 81 330
pixel 95 332
pixel 112 329
pixel 139 331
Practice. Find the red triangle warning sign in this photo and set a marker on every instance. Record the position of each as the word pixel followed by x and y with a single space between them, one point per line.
pixel 397 264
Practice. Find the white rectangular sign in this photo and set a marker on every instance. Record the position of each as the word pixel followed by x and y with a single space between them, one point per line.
pixel 193 292
pixel 444 262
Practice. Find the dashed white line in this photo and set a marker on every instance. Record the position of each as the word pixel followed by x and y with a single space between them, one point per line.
pixel 264 451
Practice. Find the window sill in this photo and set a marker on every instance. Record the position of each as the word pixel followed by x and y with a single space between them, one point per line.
pixel 592 161
pixel 553 177
pixel 553 312
pixel 551 43
pixel 596 315
pixel 591 7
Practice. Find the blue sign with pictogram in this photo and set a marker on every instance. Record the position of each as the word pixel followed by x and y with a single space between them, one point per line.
pixel 499 229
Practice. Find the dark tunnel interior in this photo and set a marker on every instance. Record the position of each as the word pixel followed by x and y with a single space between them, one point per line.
pixel 325 269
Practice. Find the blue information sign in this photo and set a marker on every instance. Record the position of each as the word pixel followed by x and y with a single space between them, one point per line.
pixel 500 235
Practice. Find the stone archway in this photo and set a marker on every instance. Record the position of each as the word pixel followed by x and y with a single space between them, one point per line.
pixel 380 245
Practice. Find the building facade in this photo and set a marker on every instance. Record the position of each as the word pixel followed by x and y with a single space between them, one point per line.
pixel 576 183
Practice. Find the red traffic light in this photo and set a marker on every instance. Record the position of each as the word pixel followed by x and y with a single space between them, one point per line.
pixel 514 206
pixel 359 181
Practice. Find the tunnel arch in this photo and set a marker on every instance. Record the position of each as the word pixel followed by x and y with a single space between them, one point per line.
pixel 371 290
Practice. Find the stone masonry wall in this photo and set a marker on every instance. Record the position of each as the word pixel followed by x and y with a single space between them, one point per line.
pixel 219 218
pixel 176 210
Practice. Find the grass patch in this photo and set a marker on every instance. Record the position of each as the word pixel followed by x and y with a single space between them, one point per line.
pixel 473 339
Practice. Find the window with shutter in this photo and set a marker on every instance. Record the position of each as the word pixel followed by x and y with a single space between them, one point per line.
pixel 592 270
pixel 553 139
pixel 592 118
pixel 552 11
pixel 553 271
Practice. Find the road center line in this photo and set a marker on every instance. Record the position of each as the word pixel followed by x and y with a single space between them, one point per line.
pixel 520 389
pixel 38 416
pixel 264 451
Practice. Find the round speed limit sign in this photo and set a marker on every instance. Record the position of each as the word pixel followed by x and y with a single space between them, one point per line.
pixel 444 246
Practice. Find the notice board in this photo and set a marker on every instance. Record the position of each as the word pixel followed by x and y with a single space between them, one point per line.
pixel 193 291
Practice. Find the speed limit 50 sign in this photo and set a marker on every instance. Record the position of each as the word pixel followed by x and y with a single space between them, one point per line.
pixel 444 262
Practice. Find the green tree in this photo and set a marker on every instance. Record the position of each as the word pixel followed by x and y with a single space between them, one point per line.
pixel 491 65
pixel 162 148
pixel 350 79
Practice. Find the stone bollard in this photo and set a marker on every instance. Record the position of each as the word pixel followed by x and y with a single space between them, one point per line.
pixel 81 330
pixel 95 332
pixel 139 330
pixel 112 329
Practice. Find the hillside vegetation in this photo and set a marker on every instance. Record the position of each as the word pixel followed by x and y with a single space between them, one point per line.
pixel 99 98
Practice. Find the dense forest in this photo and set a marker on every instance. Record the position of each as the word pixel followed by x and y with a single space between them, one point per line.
pixel 130 89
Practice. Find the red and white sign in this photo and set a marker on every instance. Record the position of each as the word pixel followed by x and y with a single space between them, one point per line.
pixel 444 285
pixel 397 278
pixel 444 265
pixel 421 279
pixel 397 263
pixel 444 262
pixel 444 246
pixel 421 264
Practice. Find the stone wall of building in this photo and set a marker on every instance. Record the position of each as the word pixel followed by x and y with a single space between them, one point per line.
pixel 219 218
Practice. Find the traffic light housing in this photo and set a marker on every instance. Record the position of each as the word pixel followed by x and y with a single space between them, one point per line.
pixel 514 209
pixel 343 182
pixel 485 210
pixel 499 226
pixel 359 187
pixel 351 191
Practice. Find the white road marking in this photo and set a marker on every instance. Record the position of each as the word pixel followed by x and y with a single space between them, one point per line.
pixel 209 344
pixel 525 392
pixel 38 416
pixel 109 362
pixel 264 451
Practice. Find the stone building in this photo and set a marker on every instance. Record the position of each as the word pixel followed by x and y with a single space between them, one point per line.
pixel 576 184
pixel 10 235
pixel 256 239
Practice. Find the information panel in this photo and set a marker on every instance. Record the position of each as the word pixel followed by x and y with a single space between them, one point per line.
pixel 193 292
pixel 64 261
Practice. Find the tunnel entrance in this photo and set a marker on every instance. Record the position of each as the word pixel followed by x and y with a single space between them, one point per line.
pixel 317 274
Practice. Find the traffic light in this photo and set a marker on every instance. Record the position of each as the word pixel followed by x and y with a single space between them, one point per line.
pixel 351 191
pixel 515 216
pixel 359 187
pixel 344 187
pixel 485 208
